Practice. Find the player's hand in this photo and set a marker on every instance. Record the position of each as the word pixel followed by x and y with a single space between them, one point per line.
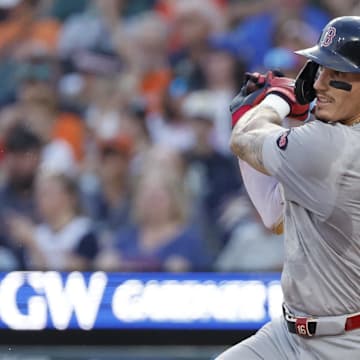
pixel 285 88
pixel 252 92
pixel 257 86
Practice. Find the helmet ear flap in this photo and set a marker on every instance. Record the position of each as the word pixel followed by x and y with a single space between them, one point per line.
pixel 304 83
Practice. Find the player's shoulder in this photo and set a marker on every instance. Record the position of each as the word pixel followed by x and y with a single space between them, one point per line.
pixel 321 131
pixel 319 124
pixel 315 140
pixel 333 129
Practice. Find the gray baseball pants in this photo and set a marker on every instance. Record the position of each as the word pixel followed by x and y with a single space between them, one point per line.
pixel 274 342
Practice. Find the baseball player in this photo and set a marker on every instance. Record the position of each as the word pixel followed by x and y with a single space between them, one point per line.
pixel 313 172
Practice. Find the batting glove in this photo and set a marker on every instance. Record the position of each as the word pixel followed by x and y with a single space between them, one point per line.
pixel 257 86
pixel 251 93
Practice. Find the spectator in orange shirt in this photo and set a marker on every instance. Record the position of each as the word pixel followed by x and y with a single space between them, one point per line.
pixel 39 107
pixel 143 45
pixel 22 28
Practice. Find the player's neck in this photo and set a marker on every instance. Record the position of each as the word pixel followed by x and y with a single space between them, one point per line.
pixel 352 122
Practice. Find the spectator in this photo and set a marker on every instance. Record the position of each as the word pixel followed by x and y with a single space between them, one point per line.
pixel 238 11
pixel 194 22
pixel 20 165
pixel 89 29
pixel 162 238
pixel 160 158
pixel 214 176
pixel 143 43
pixel 283 60
pixel 95 84
pixel 254 36
pixel 251 246
pixel 38 107
pixel 65 239
pixel 223 72
pixel 108 203
pixel 134 124
pixel 289 35
pixel 343 8
pixel 23 30
pixel 170 128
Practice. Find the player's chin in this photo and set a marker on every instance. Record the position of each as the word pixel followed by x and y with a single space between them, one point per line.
pixel 324 115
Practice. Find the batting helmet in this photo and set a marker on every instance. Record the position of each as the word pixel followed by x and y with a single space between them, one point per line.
pixel 339 45
pixel 338 48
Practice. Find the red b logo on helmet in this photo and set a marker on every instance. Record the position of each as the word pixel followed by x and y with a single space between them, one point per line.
pixel 328 36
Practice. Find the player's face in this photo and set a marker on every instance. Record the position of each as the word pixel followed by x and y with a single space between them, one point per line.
pixel 334 104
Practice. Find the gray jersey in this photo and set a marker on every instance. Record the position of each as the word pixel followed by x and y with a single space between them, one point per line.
pixel 318 165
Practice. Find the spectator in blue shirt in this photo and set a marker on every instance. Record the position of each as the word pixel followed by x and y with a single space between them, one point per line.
pixel 162 237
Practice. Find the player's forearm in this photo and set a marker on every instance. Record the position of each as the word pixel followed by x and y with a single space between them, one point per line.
pixel 249 134
pixel 261 116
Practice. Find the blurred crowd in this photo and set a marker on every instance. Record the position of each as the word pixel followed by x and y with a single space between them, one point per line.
pixel 114 129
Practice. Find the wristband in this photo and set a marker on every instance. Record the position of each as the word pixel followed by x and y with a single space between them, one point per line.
pixel 278 104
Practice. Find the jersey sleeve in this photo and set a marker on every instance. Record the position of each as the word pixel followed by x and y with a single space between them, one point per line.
pixel 265 194
pixel 304 159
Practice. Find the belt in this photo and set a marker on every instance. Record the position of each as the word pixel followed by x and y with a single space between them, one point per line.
pixel 320 326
